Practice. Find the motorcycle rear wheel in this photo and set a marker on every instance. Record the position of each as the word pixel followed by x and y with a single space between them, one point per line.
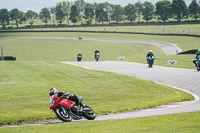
pixel 88 113
pixel 198 67
pixel 150 64
pixel 65 117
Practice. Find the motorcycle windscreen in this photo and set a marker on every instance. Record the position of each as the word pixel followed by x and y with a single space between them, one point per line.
pixel 67 103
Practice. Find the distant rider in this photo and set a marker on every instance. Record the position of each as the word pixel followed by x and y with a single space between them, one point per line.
pixel 96 53
pixel 61 94
pixel 79 56
pixel 150 53
pixel 196 58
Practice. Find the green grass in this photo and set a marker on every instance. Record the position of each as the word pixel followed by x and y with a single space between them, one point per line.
pixel 193 29
pixel 67 50
pixel 46 50
pixel 24 90
pixel 24 84
pixel 175 123
pixel 185 43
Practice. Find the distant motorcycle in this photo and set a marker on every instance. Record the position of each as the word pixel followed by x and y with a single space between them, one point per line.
pixel 97 56
pixel 63 107
pixel 79 57
pixel 151 61
pixel 198 64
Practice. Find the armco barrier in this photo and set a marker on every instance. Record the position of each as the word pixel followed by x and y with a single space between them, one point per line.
pixel 193 51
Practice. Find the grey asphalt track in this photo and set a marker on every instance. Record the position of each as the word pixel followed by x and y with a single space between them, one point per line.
pixel 168 48
pixel 185 79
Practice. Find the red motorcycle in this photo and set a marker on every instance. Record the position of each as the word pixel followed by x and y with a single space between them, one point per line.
pixel 64 109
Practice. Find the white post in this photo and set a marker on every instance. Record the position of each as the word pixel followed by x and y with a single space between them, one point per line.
pixel 2 52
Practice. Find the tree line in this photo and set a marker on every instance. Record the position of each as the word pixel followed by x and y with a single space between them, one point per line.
pixel 80 11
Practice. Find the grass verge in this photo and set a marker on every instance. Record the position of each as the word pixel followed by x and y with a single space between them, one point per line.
pixel 193 29
pixel 176 123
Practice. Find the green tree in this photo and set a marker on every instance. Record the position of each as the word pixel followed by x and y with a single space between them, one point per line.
pixel 94 7
pixel 4 17
pixel 60 13
pixel 89 13
pixel 45 15
pixel 53 13
pixel 31 16
pixel 117 14
pixel 108 7
pixel 194 9
pixel 74 14
pixel 148 11
pixel 101 14
pixel 67 9
pixel 130 12
pixel 139 8
pixel 179 9
pixel 80 5
pixel 163 10
pixel 17 16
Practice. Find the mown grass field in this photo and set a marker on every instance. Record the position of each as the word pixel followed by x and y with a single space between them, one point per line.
pixel 67 50
pixel 175 123
pixel 185 43
pixel 44 49
pixel 24 84
pixel 193 29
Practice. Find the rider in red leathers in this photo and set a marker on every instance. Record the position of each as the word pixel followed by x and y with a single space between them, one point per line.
pixel 61 94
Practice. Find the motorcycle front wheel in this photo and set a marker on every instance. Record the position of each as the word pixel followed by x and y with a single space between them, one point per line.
pixel 88 113
pixel 150 64
pixel 62 114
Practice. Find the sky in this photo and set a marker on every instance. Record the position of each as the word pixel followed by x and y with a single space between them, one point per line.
pixel 37 5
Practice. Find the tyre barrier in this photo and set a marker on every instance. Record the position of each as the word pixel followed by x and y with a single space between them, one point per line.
pixel 193 51
pixel 11 58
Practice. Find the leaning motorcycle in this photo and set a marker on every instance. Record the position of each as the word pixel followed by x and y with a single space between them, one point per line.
pixel 198 64
pixel 63 108
pixel 151 61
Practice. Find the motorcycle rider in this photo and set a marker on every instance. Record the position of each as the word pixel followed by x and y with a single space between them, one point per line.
pixel 196 58
pixel 150 53
pixel 61 94
pixel 96 52
pixel 79 56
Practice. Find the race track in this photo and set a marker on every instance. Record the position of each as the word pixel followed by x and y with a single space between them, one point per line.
pixel 168 48
pixel 185 79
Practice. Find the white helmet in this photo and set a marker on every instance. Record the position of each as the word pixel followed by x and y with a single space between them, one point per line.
pixel 53 91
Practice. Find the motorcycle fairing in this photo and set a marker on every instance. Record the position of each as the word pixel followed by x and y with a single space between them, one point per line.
pixel 67 103
pixel 199 60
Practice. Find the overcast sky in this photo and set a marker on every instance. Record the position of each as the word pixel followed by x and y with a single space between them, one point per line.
pixel 37 5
